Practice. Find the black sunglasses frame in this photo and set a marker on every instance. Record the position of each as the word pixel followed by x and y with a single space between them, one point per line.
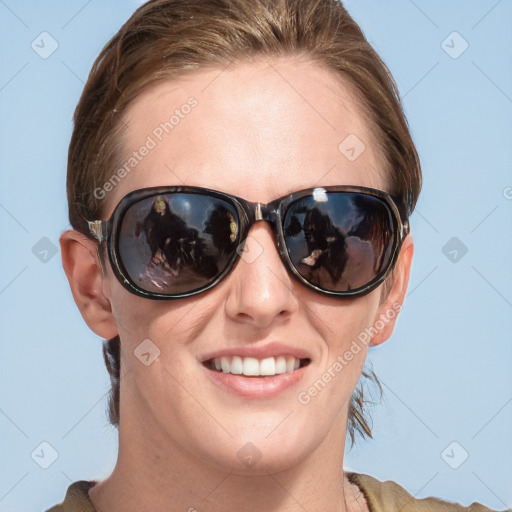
pixel 248 213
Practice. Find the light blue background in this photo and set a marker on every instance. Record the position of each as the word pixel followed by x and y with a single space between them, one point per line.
pixel 446 371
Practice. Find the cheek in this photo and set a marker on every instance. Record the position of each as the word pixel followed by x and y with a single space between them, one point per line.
pixel 165 328
pixel 346 329
pixel 346 321
pixel 133 315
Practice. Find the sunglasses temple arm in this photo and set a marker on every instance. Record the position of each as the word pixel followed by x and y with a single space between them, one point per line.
pixel 406 228
pixel 98 229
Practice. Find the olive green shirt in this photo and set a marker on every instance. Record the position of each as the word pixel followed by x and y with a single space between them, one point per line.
pixel 380 497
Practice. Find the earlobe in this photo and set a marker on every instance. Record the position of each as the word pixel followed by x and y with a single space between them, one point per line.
pixel 390 307
pixel 83 270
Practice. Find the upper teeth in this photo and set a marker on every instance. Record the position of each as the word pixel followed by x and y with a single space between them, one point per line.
pixel 256 367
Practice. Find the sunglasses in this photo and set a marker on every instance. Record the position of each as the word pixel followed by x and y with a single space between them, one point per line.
pixel 174 242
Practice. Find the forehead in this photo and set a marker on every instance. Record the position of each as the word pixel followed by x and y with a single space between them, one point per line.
pixel 258 130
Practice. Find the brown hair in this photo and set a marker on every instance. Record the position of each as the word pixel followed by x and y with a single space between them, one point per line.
pixel 165 39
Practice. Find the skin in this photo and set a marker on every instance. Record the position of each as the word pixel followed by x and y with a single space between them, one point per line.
pixel 261 129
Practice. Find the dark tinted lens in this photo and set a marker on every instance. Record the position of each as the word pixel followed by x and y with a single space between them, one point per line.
pixel 176 243
pixel 339 241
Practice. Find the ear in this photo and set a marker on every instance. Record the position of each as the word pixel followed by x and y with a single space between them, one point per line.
pixel 393 291
pixel 83 270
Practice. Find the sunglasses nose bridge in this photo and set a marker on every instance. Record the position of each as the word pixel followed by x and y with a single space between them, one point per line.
pixel 258 212
pixel 270 214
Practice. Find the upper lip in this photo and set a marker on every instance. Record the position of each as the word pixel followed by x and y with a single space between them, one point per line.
pixel 273 349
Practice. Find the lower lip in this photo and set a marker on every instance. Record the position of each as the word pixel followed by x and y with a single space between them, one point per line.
pixel 257 387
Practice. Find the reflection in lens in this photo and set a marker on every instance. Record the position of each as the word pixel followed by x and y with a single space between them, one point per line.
pixel 175 243
pixel 340 244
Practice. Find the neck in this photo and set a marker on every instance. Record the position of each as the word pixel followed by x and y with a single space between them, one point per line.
pixel 154 473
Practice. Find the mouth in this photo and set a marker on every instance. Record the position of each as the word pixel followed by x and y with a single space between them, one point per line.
pixel 257 371
pixel 254 367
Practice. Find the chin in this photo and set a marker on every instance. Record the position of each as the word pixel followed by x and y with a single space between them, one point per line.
pixel 252 460
pixel 261 448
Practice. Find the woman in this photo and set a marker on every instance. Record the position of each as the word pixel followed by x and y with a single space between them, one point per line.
pixel 273 132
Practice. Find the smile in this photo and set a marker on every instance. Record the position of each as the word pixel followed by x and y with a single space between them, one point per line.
pixel 253 367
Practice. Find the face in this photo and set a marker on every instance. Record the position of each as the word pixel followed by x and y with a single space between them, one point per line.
pixel 159 206
pixel 258 130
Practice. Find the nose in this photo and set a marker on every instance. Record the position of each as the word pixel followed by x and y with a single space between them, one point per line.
pixel 261 290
